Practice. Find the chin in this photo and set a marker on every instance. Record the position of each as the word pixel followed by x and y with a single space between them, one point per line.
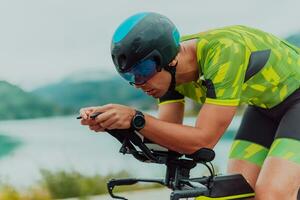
pixel 156 95
pixel 160 94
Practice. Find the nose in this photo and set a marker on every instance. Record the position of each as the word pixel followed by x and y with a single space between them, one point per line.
pixel 142 86
pixel 137 86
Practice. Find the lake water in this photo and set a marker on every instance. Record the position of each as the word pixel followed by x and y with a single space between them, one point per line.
pixel 62 143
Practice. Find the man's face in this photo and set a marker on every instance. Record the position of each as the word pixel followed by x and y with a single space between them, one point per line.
pixel 158 85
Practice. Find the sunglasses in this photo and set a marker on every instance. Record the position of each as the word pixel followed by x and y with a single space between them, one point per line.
pixel 140 73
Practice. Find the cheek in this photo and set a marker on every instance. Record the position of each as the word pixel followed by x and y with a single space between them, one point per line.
pixel 161 87
pixel 159 82
pixel 156 82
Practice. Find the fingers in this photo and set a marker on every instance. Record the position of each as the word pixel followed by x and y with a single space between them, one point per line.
pixel 113 116
pixel 110 114
pixel 110 124
pixel 85 112
pixel 88 122
pixel 97 128
pixel 105 108
pixel 107 119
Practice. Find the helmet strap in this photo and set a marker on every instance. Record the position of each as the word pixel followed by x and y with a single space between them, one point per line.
pixel 172 71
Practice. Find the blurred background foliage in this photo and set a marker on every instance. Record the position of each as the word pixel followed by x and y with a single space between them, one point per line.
pixel 63 184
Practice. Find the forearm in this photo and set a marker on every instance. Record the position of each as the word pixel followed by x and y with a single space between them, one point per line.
pixel 176 137
pixel 210 125
pixel 171 112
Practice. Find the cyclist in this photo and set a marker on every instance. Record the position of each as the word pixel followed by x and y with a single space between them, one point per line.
pixel 221 69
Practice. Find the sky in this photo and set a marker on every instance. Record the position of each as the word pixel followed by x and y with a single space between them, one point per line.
pixel 43 41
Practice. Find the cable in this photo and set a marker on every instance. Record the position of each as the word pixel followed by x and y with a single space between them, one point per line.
pixel 213 169
pixel 210 171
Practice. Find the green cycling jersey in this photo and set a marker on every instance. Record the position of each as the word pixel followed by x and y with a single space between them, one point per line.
pixel 238 64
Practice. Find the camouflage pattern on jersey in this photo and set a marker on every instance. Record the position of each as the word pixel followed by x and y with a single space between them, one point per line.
pixel 223 56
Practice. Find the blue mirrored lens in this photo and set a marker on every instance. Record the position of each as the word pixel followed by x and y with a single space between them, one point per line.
pixel 141 72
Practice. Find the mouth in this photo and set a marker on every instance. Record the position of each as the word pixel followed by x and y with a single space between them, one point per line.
pixel 151 92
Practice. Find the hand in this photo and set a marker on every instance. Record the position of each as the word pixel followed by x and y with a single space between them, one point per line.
pixel 85 113
pixel 114 116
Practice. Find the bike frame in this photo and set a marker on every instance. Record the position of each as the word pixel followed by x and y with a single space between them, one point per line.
pixel 178 168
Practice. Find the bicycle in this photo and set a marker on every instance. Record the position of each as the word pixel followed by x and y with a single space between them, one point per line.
pixel 178 166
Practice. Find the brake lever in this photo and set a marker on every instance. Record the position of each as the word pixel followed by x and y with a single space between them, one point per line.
pixel 112 183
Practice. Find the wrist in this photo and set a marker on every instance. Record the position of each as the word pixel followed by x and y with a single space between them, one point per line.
pixel 138 120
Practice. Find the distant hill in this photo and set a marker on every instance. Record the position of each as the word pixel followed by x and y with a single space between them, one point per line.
pixel 78 94
pixel 18 104
pixel 294 39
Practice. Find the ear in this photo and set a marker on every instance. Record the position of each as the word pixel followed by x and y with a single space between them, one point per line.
pixel 174 61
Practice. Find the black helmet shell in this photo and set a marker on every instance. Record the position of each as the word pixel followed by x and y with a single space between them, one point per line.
pixel 142 36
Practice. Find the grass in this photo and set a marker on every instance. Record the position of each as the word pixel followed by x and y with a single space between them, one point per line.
pixel 62 184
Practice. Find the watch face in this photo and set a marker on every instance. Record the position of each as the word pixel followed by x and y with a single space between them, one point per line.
pixel 139 121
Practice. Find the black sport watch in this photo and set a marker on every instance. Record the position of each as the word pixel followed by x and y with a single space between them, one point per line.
pixel 138 121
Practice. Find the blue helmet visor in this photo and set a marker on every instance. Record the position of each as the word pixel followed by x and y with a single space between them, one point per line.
pixel 141 72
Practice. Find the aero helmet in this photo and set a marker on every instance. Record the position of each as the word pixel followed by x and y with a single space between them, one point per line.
pixel 144 44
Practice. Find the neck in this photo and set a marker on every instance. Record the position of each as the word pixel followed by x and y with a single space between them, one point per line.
pixel 187 68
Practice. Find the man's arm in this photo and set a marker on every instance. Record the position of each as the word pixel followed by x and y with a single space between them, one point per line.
pixel 171 112
pixel 210 126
